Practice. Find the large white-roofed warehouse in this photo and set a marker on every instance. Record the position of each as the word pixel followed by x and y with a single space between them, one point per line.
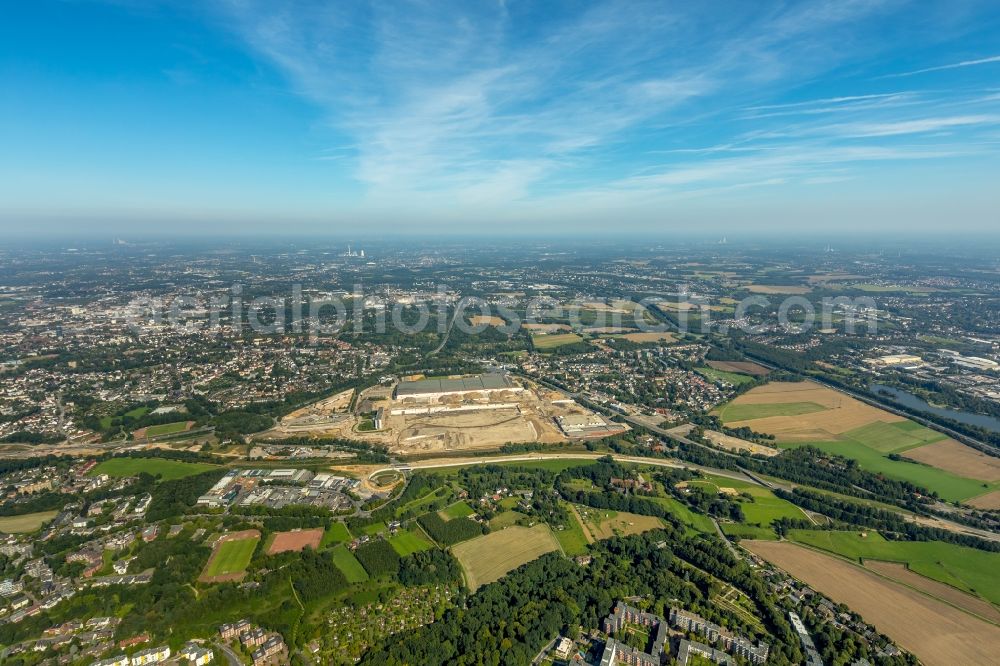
pixel 437 387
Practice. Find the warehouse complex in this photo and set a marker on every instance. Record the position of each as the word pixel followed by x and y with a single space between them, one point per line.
pixel 434 388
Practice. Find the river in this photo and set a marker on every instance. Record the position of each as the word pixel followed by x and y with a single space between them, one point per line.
pixel 913 402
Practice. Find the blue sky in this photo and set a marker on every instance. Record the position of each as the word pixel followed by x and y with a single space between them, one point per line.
pixel 513 116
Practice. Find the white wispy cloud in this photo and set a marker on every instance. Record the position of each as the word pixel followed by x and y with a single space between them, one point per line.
pixel 941 68
pixel 918 126
pixel 475 104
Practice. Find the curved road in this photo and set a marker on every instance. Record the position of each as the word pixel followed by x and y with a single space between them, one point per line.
pixel 535 457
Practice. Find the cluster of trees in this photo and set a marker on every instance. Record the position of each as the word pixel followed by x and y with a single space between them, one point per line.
pixel 26 437
pixel 176 496
pixel 20 464
pixel 601 475
pixel 313 575
pixel 429 567
pixel 171 454
pixel 448 532
pixel 714 504
pixel 236 422
pixel 378 558
pixel 806 465
pixel 510 620
pixel 364 453
pixel 543 503
pixel 294 516
pixel 842 646
pixel 47 501
pixel 890 523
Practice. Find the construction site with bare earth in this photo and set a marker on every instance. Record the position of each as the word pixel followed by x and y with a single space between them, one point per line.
pixel 433 414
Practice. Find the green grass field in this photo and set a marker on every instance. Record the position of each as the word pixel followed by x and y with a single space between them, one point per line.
pixel 424 500
pixel 508 503
pixel 167 469
pixel 231 557
pixel 949 486
pixel 696 521
pixel 721 375
pixel 765 508
pixel 748 531
pixel 410 541
pixel 344 560
pixel 505 519
pixel 166 429
pixel 572 539
pixel 374 528
pixel 456 510
pixel 967 569
pixel 134 413
pixel 734 412
pixel 336 533
pixel 29 522
pixel 871 445
pixel 893 437
pixel 553 340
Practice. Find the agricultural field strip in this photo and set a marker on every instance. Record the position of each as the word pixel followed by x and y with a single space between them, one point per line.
pixel 489 557
pixel 875 434
pixel 937 633
pixel 965 569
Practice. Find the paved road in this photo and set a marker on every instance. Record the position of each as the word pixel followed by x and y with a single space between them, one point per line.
pixel 447 333
pixel 534 457
pixel 725 540
pixel 231 657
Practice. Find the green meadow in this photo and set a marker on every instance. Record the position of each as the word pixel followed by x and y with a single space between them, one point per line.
pixel 721 375
pixel 456 510
pixel 344 560
pixel 949 486
pixel 335 533
pixel 966 568
pixel 167 469
pixel 408 542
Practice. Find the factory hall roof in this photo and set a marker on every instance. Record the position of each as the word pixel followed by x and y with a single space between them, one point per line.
pixel 489 382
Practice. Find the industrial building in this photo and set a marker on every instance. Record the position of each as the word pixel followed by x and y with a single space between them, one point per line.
pixel 432 389
pixel 896 359
pixel 587 426
pixel 975 363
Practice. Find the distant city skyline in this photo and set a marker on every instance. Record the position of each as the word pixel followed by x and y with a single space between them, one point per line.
pixel 499 118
